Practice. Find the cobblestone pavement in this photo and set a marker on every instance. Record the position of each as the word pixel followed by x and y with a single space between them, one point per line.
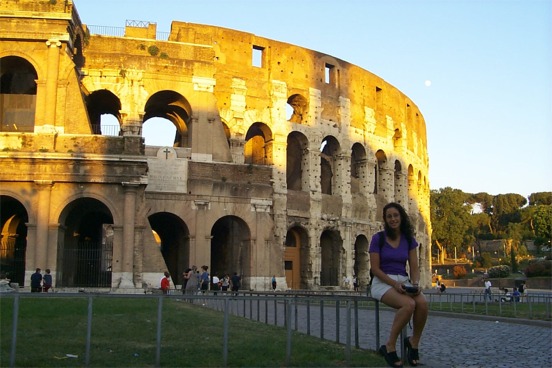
pixel 449 340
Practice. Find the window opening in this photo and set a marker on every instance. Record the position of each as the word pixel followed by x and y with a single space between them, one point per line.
pixel 329 73
pixel 257 60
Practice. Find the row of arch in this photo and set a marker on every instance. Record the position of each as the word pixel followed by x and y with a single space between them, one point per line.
pixel 86 247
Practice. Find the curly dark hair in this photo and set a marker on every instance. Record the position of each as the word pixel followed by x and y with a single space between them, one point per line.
pixel 406 225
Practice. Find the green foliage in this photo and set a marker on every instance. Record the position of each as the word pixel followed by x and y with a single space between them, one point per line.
pixel 486 260
pixel 541 267
pixel 153 50
pixel 450 218
pixel 163 55
pixel 506 210
pixel 542 198
pixel 459 272
pixel 499 271
pixel 542 222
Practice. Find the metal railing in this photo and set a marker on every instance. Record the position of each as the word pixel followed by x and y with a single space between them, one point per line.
pixel 532 305
pixel 303 312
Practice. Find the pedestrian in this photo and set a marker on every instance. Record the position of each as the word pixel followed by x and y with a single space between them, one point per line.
pixel 235 283
pixel 192 282
pixel 215 284
pixel 185 279
pixel 488 290
pixel 204 279
pixel 225 284
pixel 47 281
pixel 166 283
pixel 390 250
pixel 355 282
pixel 36 281
pixel 274 283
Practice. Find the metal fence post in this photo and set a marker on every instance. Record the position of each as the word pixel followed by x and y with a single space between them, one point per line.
pixel 225 335
pixel 15 317
pixel 88 333
pixel 159 330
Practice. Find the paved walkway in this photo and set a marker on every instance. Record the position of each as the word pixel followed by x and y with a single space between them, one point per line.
pixel 449 340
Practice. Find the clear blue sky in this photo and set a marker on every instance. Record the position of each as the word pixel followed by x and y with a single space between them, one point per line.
pixel 488 108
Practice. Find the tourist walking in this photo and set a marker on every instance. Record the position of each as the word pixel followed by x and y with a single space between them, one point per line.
pixel 390 250
pixel 166 283
pixel 192 283
pixel 488 290
pixel 235 282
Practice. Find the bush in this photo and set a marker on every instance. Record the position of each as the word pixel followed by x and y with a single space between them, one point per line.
pixel 538 268
pixel 499 271
pixel 459 272
pixel 153 50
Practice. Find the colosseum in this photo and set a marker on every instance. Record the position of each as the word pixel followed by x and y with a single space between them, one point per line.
pixel 280 164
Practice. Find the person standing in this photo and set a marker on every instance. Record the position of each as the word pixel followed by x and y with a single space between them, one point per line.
pixel 204 279
pixel 192 282
pixel 392 286
pixel 166 283
pixel 36 281
pixel 274 283
pixel 235 281
pixel 47 281
pixel 225 284
pixel 488 290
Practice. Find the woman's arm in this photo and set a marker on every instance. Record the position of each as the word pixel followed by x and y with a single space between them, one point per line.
pixel 414 266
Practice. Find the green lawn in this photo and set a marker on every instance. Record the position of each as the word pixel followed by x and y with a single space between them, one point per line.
pixel 124 335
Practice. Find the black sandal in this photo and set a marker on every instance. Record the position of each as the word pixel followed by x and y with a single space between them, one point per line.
pixel 411 353
pixel 391 358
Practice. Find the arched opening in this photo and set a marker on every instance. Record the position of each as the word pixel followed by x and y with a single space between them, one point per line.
pixel 398 185
pixel 13 241
pixel 299 108
pixel 159 132
pixel 86 244
pixel 330 244
pixel 329 149
pixel 173 107
pixel 379 172
pixel 358 169
pixel 231 248
pixel 17 95
pixel 362 260
pixel 297 162
pixel 295 260
pixel 173 239
pixel 258 145
pixel 104 112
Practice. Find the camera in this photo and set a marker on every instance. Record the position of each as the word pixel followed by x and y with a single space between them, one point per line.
pixel 410 289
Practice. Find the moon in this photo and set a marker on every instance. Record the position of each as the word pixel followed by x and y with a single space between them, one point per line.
pixel 427 83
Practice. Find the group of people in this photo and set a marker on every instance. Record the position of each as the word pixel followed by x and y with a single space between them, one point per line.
pixel 194 281
pixel 41 283
pixel 517 292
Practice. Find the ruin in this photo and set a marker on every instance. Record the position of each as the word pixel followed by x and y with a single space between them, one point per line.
pixel 281 161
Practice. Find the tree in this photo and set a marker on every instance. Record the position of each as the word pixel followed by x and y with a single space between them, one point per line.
pixel 450 219
pixel 540 198
pixel 542 223
pixel 506 209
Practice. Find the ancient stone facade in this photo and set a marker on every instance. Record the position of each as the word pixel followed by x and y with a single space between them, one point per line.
pixel 282 160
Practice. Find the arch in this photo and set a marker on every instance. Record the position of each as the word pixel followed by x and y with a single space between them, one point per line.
pixel 18 91
pixel 296 261
pixel 258 145
pixel 398 184
pixel 300 106
pixel 329 150
pixel 231 248
pixel 173 239
pixel 13 239
pixel 104 102
pixel 85 251
pixel 297 176
pixel 174 107
pixel 359 172
pixel 362 260
pixel 381 159
pixel 330 254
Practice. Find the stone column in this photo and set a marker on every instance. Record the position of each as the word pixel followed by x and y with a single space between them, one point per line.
pixel 200 254
pixel 52 75
pixel 42 222
pixel 129 215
